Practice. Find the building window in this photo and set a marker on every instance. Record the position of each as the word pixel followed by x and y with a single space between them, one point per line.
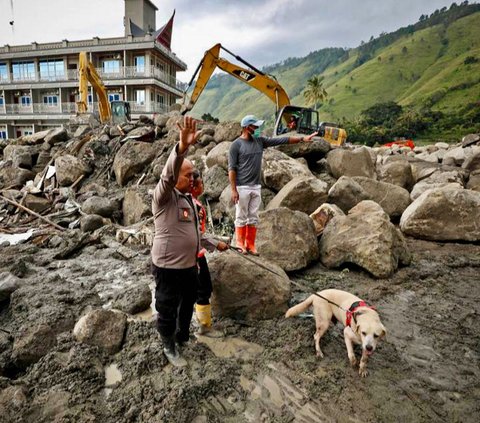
pixel 140 96
pixel 89 99
pixel 3 134
pixel 50 100
pixel 52 69
pixel 160 99
pixel 23 71
pixel 1 101
pixel 111 66
pixel 3 72
pixel 113 97
pixel 25 100
pixel 139 63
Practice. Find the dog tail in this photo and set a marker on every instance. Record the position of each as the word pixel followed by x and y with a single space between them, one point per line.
pixel 300 308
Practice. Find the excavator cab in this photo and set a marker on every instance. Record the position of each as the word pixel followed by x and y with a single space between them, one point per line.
pixel 120 111
pixel 307 122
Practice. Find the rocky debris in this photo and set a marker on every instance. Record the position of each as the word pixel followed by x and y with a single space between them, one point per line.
pixel 98 205
pixel 397 172
pixel 346 193
pixel 364 237
pixel 356 162
pixel 474 182
pixel 68 169
pixel 302 194
pixel 310 151
pixel 133 299
pixel 32 344
pixel 287 238
pixel 91 222
pixel 246 291
pixel 444 214
pixel 227 131
pixel 101 328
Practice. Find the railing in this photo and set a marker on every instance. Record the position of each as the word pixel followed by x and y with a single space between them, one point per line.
pixel 125 72
pixel 71 108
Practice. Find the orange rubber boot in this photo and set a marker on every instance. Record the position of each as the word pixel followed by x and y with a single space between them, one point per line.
pixel 240 233
pixel 250 239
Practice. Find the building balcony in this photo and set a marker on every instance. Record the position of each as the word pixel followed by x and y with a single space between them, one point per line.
pixel 124 73
pixel 35 109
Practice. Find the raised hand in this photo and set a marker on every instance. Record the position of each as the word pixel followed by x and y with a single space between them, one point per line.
pixel 188 133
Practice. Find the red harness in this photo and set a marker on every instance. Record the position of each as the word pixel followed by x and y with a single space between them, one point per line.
pixel 353 308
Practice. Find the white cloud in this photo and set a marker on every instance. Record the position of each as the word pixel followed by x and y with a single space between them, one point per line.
pixel 261 31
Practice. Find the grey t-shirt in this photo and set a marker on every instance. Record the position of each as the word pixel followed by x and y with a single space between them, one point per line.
pixel 245 157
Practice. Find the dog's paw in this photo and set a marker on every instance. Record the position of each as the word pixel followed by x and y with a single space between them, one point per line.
pixel 319 354
pixel 363 372
pixel 353 361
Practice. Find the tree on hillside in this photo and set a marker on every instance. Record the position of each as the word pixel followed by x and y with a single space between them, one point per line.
pixel 314 92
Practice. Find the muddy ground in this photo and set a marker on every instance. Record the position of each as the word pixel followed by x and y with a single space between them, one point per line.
pixel 427 370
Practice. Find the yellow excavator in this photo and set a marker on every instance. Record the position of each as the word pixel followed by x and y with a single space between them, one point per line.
pixel 290 119
pixel 114 112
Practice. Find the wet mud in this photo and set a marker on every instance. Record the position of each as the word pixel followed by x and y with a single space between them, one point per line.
pixel 427 368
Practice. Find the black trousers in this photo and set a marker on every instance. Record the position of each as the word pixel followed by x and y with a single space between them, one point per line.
pixel 204 282
pixel 175 296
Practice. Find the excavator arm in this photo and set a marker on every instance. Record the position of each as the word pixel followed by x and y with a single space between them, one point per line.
pixel 86 74
pixel 257 79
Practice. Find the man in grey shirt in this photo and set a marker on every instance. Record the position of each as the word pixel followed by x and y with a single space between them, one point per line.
pixel 244 173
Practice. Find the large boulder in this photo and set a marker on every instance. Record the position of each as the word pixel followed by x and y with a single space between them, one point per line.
pixel 453 179
pixel 323 215
pixel 131 159
pixel 215 179
pixel 226 203
pixel 36 203
pixel 364 237
pixel 278 169
pixel 14 176
pixel 287 238
pixel 219 155
pixel 227 131
pixel 346 193
pixel 137 205
pixel 356 162
pixel 302 194
pixel 245 291
pixel 393 199
pixel 101 328
pixel 474 182
pixel 133 299
pixel 69 169
pixel 397 172
pixel 472 162
pixel 444 214
pixel 56 135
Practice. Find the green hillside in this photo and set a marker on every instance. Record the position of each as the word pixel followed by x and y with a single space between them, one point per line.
pixel 433 63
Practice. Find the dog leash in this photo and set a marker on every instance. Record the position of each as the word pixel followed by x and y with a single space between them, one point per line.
pixel 302 288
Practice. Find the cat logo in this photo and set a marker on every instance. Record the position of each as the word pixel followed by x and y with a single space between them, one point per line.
pixel 242 74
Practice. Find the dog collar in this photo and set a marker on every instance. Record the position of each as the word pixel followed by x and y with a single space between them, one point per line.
pixel 353 308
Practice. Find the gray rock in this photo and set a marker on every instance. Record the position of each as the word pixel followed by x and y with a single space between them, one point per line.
pixel 161 120
pixel 323 215
pixel 346 193
pixel 444 214
pixel 91 222
pixel 393 199
pixel 302 194
pixel 133 299
pixel 245 291
pixel 472 162
pixel 351 163
pixel 132 158
pixel 398 172
pixel 365 237
pixel 136 206
pixel 56 135
pixel 215 179
pixel 474 182
pixel 101 328
pixel 287 238
pixel 311 151
pixel 36 203
pixel 32 344
pixel 81 131
pixel 470 139
pixel 15 176
pixel 227 131
pixel 142 133
pixel 98 205
pixel 226 203
pixel 219 155
pixel 8 284
pixel 278 169
pixel 69 169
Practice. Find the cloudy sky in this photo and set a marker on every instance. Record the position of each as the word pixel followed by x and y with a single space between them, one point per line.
pixel 261 31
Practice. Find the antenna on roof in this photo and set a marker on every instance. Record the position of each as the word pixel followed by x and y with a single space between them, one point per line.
pixel 13 17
